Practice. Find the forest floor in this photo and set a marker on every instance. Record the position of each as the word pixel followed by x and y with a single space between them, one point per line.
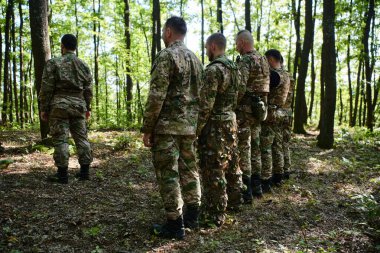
pixel 327 205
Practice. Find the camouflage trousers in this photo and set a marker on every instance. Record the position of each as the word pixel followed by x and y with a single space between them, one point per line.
pixel 249 144
pixel 176 172
pixel 219 162
pixel 286 135
pixel 63 121
pixel 272 158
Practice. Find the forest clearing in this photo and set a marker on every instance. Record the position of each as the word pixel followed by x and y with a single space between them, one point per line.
pixel 329 205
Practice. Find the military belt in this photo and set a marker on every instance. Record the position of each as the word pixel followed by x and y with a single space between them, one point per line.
pixel 78 94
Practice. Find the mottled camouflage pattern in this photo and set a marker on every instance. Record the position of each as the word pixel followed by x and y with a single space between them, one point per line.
pixel 254 69
pixel 218 152
pixel 287 127
pixel 65 120
pixel 277 97
pixel 176 172
pixel 172 104
pixel 66 94
pixel 64 80
pixel 221 176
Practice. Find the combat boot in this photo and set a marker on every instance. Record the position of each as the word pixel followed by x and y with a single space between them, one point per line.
pixel 247 193
pixel 267 185
pixel 257 191
pixel 84 173
pixel 191 217
pixel 60 177
pixel 172 229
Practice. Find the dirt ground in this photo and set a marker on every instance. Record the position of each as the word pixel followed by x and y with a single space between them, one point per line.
pixel 322 208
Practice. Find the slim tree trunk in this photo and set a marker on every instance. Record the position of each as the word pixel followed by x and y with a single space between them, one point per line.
pixel 6 83
pixel 203 32
pixel 312 84
pixel 40 46
pixel 300 112
pixel 326 135
pixel 156 29
pixel 341 106
pixel 258 33
pixel 21 60
pixel 127 35
pixel 297 21
pixel 357 92
pixel 76 24
pixel 247 8
pixel 370 14
pixel 14 66
pixel 96 58
pixel 219 15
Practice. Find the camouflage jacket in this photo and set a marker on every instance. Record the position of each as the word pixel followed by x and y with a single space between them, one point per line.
pixel 221 91
pixel 66 81
pixel 289 98
pixel 279 93
pixel 173 101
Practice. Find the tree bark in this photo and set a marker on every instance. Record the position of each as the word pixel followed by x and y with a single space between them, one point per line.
pixel 326 135
pixel 96 57
pixel 21 60
pixel 40 46
pixel 370 14
pixel 203 32
pixel 127 35
pixel 312 84
pixel 258 29
pixel 219 15
pixel 14 67
pixel 297 21
pixel 6 83
pixel 248 15
pixel 300 112
pixel 156 29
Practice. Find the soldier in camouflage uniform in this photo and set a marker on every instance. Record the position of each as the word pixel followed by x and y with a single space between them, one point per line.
pixel 271 138
pixel 221 175
pixel 287 129
pixel 65 100
pixel 251 111
pixel 170 123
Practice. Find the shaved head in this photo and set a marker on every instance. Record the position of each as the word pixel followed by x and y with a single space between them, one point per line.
pixel 245 36
pixel 218 39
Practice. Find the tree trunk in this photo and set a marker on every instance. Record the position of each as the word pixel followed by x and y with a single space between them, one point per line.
pixel 219 15
pixel 1 55
pixel 357 92
pixel 269 22
pixel 258 33
pixel 341 107
pixel 297 18
pixel 203 32
pixel 326 135
pixel 21 59
pixel 248 15
pixel 40 46
pixel 300 112
pixel 76 25
pixel 156 29
pixel 370 14
pixel 14 66
pixel 96 58
pixel 6 83
pixel 312 84
pixel 127 35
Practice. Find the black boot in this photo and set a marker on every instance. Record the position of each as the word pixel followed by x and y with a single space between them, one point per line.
pixel 266 185
pixel 60 177
pixel 257 191
pixel 191 216
pixel 277 179
pixel 83 174
pixel 247 193
pixel 171 229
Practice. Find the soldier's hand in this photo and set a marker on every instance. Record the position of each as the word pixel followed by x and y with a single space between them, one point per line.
pixel 88 115
pixel 44 116
pixel 148 140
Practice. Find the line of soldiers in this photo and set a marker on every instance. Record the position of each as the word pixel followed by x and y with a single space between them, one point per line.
pixel 238 114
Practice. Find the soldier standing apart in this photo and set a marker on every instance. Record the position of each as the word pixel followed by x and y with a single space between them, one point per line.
pixel 221 175
pixel 65 100
pixel 251 111
pixel 287 130
pixel 272 134
pixel 170 123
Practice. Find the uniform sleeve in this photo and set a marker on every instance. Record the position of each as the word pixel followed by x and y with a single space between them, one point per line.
pixel 47 86
pixel 159 83
pixel 212 78
pixel 241 86
pixel 87 88
pixel 244 69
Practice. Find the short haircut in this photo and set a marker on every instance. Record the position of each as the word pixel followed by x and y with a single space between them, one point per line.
pixel 245 35
pixel 178 24
pixel 275 54
pixel 218 39
pixel 69 41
